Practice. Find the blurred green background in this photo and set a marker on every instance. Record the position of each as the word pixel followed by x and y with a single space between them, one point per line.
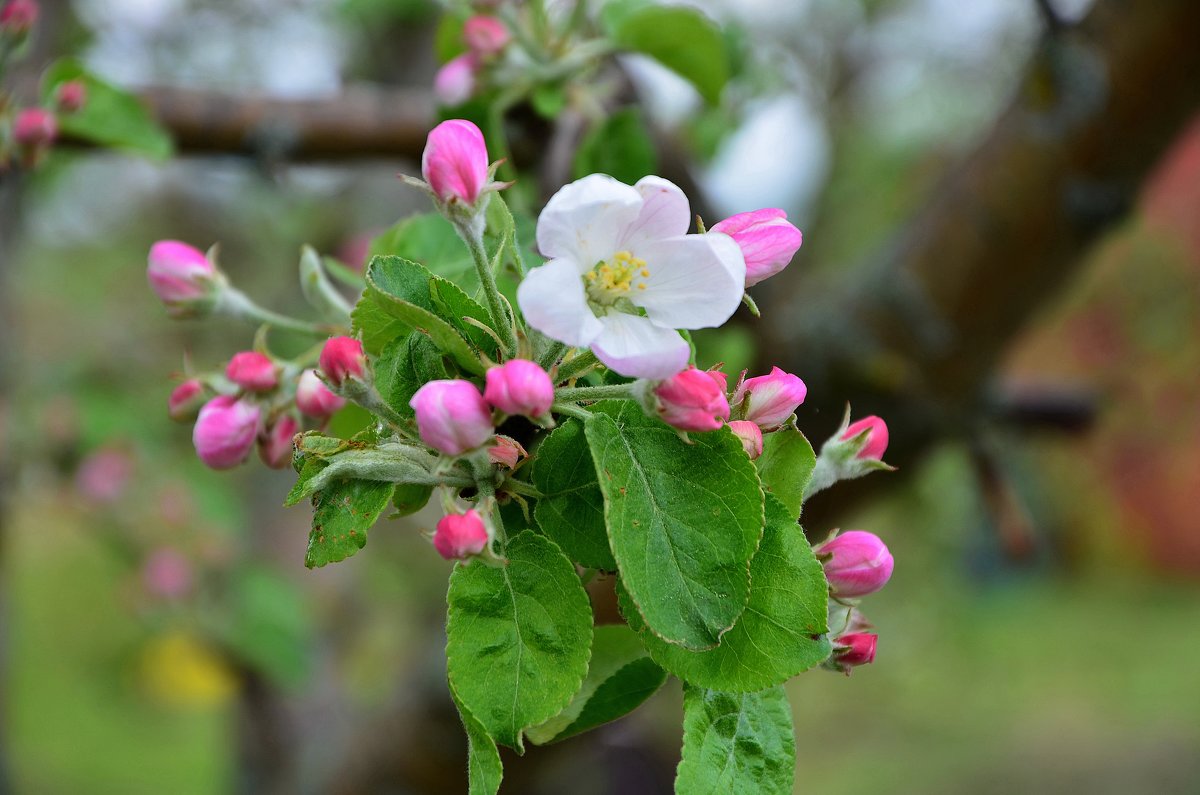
pixel 1040 631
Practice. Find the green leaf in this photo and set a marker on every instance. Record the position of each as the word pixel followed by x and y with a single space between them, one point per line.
pixel 484 768
pixel 374 325
pixel 270 626
pixel 683 521
pixel 571 511
pixel 110 117
pixel 549 100
pixel 782 631
pixel 619 146
pixel 681 39
pixel 410 498
pixel 518 637
pixel 786 466
pixel 430 240
pixel 402 289
pixel 735 744
pixel 620 677
pixel 342 514
pixel 404 366
pixel 454 305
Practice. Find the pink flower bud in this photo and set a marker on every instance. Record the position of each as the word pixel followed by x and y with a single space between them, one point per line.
pixel 71 96
pixel 185 401
pixel 225 431
pixel 181 276
pixel 519 387
pixel 253 371
pixel 314 398
pixel 720 379
pixel 35 127
pixel 772 398
pixel 18 17
pixel 452 417
pixel 768 242
pixel 104 475
pixel 692 400
pixel 454 83
pixel 877 436
pixel 342 358
pixel 275 445
pixel 167 574
pixel 750 435
pixel 455 161
pixel 854 649
pixel 485 36
pixel 460 536
pixel 857 563
pixel 506 452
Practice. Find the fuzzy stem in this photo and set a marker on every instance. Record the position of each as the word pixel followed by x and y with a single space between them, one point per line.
pixel 575 394
pixel 501 321
pixel 577 366
pixel 237 304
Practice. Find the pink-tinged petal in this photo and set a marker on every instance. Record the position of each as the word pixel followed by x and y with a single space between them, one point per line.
pixel 695 281
pixel 635 347
pixel 455 161
pixel 553 301
pixel 586 220
pixel 665 213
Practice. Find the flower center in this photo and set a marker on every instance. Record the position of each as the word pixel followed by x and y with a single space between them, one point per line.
pixel 612 280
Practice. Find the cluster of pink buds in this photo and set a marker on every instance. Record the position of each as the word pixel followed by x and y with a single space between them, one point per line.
pixel 857 564
pixel 486 38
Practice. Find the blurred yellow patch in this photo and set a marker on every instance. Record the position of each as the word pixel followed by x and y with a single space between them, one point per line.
pixel 179 670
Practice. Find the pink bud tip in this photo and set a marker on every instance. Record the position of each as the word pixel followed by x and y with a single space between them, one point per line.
pixel 185 401
pixel 455 161
pixel 773 398
pixel 225 431
pixel 857 563
pixel 179 274
pixel 35 127
pixel 71 96
pixel 750 436
pixel 692 400
pixel 485 36
pixel 452 417
pixel 506 452
pixel 167 574
pixel 342 358
pixel 854 649
pixel 314 398
pixel 768 242
pixel 253 371
pixel 460 536
pixel 877 436
pixel 519 387
pixel 454 83
pixel 275 445
pixel 18 16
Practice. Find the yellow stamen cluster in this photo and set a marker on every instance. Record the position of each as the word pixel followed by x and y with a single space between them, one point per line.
pixel 623 273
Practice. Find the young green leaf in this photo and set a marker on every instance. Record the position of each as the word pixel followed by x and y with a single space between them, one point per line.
pixel 403 366
pixel 518 637
pixel 571 510
pixel 683 521
pixel 682 39
pixel 430 240
pixel 343 511
pixel 408 498
pixel 734 744
pixel 785 467
pixel 782 631
pixel 484 768
pixel 620 677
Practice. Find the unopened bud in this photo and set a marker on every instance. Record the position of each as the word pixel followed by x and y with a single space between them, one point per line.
pixel 182 277
pixel 520 387
pixel 225 431
pixel 71 96
pixel 167 574
pixel 506 452
pixel 693 400
pixel 275 444
pixel 768 242
pixel 34 128
pixel 854 649
pixel 485 36
pixel 314 398
pixel 750 435
pixel 252 371
pixel 342 358
pixel 460 536
pixel 769 400
pixel 857 563
pixel 18 17
pixel 452 417
pixel 875 443
pixel 455 162
pixel 185 401
pixel 104 475
pixel 454 83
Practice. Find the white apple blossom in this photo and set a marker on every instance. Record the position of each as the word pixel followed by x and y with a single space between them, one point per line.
pixel 623 274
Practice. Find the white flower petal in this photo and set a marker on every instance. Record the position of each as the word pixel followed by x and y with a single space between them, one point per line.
pixel 633 346
pixel 586 219
pixel 665 213
pixel 553 301
pixel 696 281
